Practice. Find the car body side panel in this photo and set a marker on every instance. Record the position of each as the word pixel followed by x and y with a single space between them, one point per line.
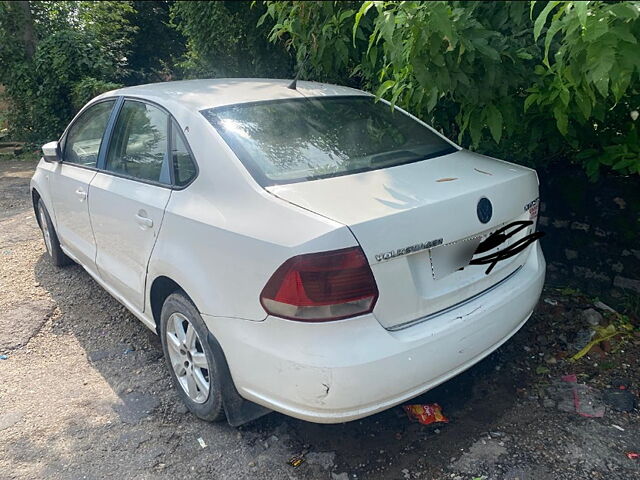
pixel 117 207
pixel 69 186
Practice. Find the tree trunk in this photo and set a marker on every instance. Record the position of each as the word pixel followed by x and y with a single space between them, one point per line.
pixel 28 33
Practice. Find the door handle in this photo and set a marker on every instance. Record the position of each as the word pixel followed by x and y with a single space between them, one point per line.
pixel 144 221
pixel 81 194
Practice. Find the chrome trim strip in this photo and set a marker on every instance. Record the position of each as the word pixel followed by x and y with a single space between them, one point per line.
pixel 410 323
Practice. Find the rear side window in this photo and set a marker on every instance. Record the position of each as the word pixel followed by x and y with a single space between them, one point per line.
pixel 293 140
pixel 138 146
pixel 184 168
pixel 85 135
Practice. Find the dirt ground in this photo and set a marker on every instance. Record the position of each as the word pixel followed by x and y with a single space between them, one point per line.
pixel 84 394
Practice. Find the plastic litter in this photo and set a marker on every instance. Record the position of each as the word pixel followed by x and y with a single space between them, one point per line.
pixel 592 317
pixel 602 333
pixel 633 455
pixel 4 357
pixel 201 442
pixel 298 459
pixel 617 427
pixel 582 339
pixel 296 462
pixel 574 397
pixel 426 414
pixel 551 302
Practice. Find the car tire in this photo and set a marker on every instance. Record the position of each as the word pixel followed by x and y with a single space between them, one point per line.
pixel 190 358
pixel 51 242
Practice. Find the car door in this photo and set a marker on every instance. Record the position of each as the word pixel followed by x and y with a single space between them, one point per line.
pixel 69 182
pixel 128 197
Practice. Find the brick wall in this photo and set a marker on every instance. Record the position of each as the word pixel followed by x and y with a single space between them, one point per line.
pixel 593 232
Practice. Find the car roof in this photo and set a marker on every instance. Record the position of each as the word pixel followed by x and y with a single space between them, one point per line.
pixel 209 93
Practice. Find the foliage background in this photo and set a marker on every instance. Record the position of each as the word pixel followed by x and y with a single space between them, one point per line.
pixel 532 82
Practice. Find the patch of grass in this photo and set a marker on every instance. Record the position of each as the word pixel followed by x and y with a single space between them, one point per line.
pixel 541 370
pixel 28 155
pixel 569 292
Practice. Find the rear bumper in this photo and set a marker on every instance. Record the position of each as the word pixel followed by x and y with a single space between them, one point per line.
pixel 345 370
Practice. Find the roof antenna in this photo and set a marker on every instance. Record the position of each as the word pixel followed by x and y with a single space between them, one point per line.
pixel 294 84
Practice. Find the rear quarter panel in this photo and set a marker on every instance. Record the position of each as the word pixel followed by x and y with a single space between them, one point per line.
pixel 223 236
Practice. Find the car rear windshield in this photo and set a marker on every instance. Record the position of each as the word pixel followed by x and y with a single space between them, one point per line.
pixel 294 140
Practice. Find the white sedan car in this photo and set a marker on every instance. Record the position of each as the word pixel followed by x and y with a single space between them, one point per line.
pixel 299 248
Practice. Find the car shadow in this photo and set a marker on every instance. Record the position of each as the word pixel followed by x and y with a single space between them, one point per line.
pixel 129 358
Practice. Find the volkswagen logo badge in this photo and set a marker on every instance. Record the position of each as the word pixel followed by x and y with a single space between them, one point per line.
pixel 484 210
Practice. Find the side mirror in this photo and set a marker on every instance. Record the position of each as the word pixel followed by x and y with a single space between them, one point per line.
pixel 51 152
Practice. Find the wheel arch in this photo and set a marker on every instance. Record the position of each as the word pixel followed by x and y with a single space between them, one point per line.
pixel 237 409
pixel 161 287
pixel 35 198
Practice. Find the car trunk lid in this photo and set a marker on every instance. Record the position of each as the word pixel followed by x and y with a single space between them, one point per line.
pixel 419 223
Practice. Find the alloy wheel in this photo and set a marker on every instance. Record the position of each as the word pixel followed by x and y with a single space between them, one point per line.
pixel 45 229
pixel 188 358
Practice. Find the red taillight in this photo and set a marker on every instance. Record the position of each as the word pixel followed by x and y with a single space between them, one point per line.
pixel 323 286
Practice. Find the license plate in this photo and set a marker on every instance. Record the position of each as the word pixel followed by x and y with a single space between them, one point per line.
pixel 450 257
pixel 446 259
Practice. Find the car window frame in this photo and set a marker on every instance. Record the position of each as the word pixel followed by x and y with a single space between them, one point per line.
pixel 102 159
pixel 108 133
pixel 179 131
pixel 62 141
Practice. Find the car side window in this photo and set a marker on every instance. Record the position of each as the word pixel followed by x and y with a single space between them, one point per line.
pixel 184 168
pixel 84 138
pixel 138 146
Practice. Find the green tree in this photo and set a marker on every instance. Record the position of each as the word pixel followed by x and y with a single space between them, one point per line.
pixel 224 40
pixel 530 82
pixel 56 56
pixel 589 80
pixel 156 46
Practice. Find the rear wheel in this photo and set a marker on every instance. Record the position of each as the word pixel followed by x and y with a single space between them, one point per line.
pixel 51 242
pixel 190 358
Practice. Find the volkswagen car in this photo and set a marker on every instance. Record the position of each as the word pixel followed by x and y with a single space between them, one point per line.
pixel 299 247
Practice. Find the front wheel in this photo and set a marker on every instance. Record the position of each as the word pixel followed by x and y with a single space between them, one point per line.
pixel 51 242
pixel 190 358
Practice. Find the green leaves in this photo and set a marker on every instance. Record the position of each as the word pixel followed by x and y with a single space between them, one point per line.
pixel 525 84
pixel 538 25
pixel 581 12
pixel 494 121
pixel 593 72
pixel 626 10
pixel 363 11
pixel 584 104
pixel 384 87
pixel 562 120
pixel 558 79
